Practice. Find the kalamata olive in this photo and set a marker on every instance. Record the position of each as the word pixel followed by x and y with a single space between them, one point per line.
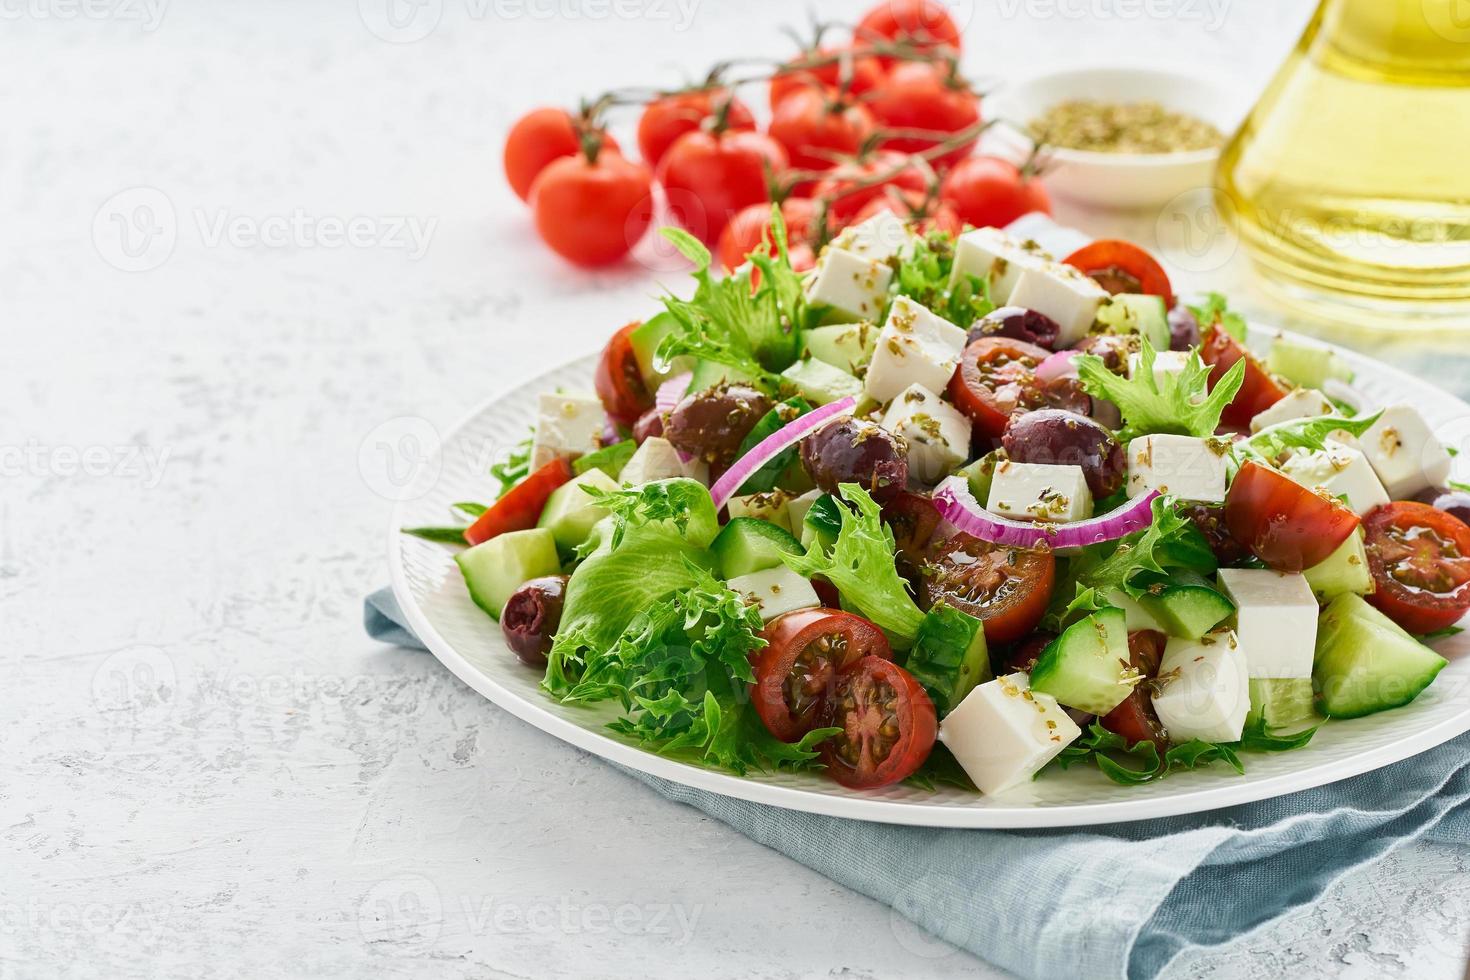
pixel 852 450
pixel 1456 503
pixel 1210 519
pixel 1067 393
pixel 649 424
pixel 1017 323
pixel 1183 328
pixel 1064 438
pixel 1112 348
pixel 532 616
pixel 711 424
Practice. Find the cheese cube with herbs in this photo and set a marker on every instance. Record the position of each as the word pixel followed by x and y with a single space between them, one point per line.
pixel 777 590
pixel 1185 466
pixel 849 285
pixel 1062 293
pixel 915 347
pixel 770 506
pixel 1340 471
pixel 1003 732
pixel 657 459
pixel 880 238
pixel 1040 492
pixel 997 258
pixel 1276 620
pixel 1405 453
pixel 1202 690
pixel 1167 363
pixel 567 425
pixel 938 434
pixel 1303 403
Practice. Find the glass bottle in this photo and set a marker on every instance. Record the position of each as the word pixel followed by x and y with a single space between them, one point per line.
pixel 1350 179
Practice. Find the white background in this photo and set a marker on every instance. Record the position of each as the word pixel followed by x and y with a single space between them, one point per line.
pixel 206 770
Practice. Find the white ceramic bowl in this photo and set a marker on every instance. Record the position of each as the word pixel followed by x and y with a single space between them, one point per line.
pixel 1118 180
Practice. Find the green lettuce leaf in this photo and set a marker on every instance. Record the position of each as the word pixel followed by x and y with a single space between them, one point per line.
pixel 924 275
pixel 684 505
pixel 1305 434
pixel 514 467
pixel 1132 765
pixel 610 459
pixel 1181 404
pixel 1214 311
pixel 1257 737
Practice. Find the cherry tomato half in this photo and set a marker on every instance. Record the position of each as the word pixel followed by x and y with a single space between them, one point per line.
pixel 849 186
pixel 618 380
pixel 1257 393
pixel 1023 655
pixel 996 378
pixel 991 192
pixel 865 74
pixel 796 672
pixel 592 213
pixel 888 725
pixel 925 24
pixel 667 118
pixel 751 227
pixel 1283 523
pixel 1420 560
pixel 913 520
pixel 538 138
pixel 927 99
pixel 521 507
pixel 1122 267
pixel 709 177
pixel 1134 717
pixel 1006 588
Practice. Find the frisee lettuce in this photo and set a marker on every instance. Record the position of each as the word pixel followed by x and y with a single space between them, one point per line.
pixel 681 503
pixel 924 276
pixel 860 564
pixel 1182 404
pixel 1214 311
pixel 1108 751
pixel 514 467
pixel 1309 434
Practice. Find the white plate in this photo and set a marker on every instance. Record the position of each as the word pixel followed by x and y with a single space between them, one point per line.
pixel 432 594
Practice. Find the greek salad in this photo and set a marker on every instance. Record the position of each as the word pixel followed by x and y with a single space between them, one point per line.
pixel 945 508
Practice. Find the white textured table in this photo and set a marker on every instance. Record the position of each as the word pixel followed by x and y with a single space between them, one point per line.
pixel 207 770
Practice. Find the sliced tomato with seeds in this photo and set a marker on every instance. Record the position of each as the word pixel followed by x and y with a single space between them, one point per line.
pixel 796 672
pixel 995 379
pixel 888 725
pixel 1420 560
pixel 521 507
pixel 1006 588
pixel 1283 523
pixel 1134 717
pixel 1024 654
pixel 1258 392
pixel 619 381
pixel 1122 267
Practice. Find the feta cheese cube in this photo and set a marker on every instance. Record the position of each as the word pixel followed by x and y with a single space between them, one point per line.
pixel 1062 293
pixel 1040 492
pixel 566 425
pixel 1167 364
pixel 776 590
pixel 1303 403
pixel 657 459
pixel 1188 467
pixel 1341 471
pixel 937 434
pixel 998 258
pixel 914 347
pixel 796 509
pixel 850 285
pixel 1275 620
pixel 878 239
pixel 1405 453
pixel 770 506
pixel 1203 691
pixel 1003 732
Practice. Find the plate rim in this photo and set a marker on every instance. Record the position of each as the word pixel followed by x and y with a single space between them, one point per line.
pixel 910 813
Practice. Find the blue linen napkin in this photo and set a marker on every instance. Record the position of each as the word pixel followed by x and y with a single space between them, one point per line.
pixel 1120 900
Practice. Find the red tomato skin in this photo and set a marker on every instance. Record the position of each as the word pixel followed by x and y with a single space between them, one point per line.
pixel 665 119
pixel 710 177
pixel 1283 523
pixel 845 193
pixel 920 96
pixel 592 214
pixel 538 138
pixel 968 391
pixel 521 507
pixel 918 725
pixel 1113 252
pixel 1257 393
pixel 786 636
pixel 618 381
pixel 751 225
pixel 990 192
pixel 1134 718
pixel 1414 610
pixel 924 23
pixel 867 74
pixel 814 130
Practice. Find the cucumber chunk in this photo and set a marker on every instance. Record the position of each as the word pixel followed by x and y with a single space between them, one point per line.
pixel 570 512
pixel 1138 313
pixel 645 339
pixel 1283 703
pixel 1343 571
pixel 706 374
pixel 981 473
pixel 847 346
pixel 822 522
pixel 1365 662
pixel 949 656
pixel 748 545
pixel 1306 364
pixel 820 383
pixel 495 569
pixel 1087 667
pixel 1186 607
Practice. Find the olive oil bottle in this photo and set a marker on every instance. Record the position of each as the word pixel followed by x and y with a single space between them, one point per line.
pixel 1351 177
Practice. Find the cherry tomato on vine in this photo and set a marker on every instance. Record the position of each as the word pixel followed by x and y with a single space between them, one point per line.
pixel 667 118
pixel 796 671
pixel 1283 523
pixel 709 177
pixel 593 212
pixel 925 24
pixel 619 381
pixel 995 379
pixel 538 138
pixel 522 505
pixel 752 225
pixel 846 190
pixel 1122 267
pixel 990 192
pixel 1006 588
pixel 888 725
pixel 929 99
pixel 1420 560
pixel 816 130
pixel 1258 392
pixel 925 213
pixel 865 75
